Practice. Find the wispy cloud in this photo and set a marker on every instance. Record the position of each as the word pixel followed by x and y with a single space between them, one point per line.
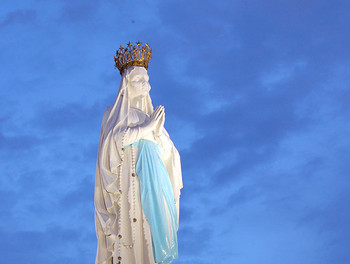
pixel 256 98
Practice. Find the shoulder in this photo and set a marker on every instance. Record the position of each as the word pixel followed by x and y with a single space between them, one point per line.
pixel 106 114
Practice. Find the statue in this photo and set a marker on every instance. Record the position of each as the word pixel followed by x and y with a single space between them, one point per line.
pixel 138 172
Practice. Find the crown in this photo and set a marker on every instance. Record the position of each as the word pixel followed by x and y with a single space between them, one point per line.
pixel 132 55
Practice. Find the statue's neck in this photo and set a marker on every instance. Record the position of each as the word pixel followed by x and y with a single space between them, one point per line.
pixel 137 103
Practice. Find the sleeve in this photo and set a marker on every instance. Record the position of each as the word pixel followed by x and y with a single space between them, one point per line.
pixel 177 176
pixel 134 133
pixel 124 135
pixel 172 162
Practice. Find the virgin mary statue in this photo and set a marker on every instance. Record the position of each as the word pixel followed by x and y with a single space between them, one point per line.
pixel 138 172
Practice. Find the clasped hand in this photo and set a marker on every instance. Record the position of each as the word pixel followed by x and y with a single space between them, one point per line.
pixel 155 122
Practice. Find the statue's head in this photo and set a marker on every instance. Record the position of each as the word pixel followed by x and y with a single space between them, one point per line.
pixel 137 79
pixel 132 62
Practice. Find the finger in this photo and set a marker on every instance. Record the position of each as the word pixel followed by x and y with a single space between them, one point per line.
pixel 159 117
pixel 159 108
pixel 160 113
pixel 155 112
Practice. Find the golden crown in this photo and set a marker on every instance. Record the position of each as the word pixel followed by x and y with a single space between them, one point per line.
pixel 132 55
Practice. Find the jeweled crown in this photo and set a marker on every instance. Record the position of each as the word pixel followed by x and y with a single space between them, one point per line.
pixel 132 55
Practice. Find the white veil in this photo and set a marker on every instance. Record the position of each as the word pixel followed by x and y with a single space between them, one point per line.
pixel 117 116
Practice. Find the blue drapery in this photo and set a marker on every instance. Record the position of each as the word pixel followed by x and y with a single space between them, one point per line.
pixel 155 188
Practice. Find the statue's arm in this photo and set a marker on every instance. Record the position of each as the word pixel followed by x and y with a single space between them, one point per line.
pixel 177 177
pixel 178 174
pixel 137 132
pixel 172 162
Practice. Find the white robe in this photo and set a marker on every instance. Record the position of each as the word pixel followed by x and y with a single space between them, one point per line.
pixel 107 192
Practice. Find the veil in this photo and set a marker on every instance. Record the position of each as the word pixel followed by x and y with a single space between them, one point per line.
pixel 117 117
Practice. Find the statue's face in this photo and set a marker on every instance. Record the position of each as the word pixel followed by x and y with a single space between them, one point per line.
pixel 138 82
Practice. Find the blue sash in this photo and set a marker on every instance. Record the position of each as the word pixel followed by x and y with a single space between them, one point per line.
pixel 155 186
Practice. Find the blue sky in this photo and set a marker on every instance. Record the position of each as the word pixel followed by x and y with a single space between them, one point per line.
pixel 257 101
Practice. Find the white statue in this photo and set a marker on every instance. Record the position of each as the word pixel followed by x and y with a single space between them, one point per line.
pixel 138 173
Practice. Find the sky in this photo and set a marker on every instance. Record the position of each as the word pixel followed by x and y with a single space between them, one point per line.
pixel 257 102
